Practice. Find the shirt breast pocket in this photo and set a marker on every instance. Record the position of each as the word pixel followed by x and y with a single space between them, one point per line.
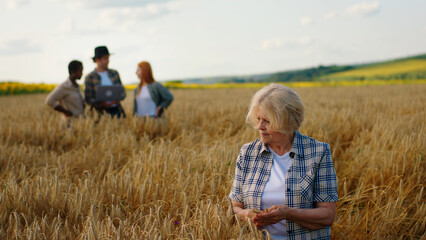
pixel 306 186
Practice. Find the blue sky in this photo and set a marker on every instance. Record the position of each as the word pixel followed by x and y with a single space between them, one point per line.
pixel 202 38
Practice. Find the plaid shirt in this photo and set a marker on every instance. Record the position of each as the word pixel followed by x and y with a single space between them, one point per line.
pixel 311 178
pixel 93 80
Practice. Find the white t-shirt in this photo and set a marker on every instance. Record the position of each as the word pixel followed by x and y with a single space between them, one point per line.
pixel 146 106
pixel 105 80
pixel 275 192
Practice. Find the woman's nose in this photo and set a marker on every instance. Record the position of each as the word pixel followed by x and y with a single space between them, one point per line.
pixel 261 124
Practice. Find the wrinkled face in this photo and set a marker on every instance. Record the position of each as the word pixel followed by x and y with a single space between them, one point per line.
pixel 267 135
pixel 103 62
pixel 139 72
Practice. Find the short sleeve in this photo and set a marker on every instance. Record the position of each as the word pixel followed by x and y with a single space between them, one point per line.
pixel 325 182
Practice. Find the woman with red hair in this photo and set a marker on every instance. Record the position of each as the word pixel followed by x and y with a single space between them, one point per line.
pixel 151 98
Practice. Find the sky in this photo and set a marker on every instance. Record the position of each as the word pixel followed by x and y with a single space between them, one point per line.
pixel 203 38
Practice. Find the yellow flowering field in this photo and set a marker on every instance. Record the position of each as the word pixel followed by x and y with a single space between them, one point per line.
pixel 13 88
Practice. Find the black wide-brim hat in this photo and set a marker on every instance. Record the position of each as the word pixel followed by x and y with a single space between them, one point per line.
pixel 101 51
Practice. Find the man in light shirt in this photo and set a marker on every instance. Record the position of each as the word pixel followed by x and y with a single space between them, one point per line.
pixel 66 98
pixel 102 76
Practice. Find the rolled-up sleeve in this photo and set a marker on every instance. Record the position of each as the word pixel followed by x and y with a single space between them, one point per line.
pixel 236 190
pixel 53 98
pixel 325 181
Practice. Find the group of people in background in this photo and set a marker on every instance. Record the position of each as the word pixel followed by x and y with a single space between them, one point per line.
pixel 151 98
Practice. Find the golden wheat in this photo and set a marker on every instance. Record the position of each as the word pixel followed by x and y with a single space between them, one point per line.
pixel 141 179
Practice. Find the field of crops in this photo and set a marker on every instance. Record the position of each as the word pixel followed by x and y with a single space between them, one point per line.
pixel 141 179
pixel 408 69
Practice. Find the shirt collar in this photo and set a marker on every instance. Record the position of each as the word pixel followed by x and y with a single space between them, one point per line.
pixel 263 147
pixel 94 71
pixel 69 83
pixel 296 149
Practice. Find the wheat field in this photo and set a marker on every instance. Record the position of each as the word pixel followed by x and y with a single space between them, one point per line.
pixel 141 179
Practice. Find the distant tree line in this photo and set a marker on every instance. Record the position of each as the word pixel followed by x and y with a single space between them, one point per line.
pixel 304 75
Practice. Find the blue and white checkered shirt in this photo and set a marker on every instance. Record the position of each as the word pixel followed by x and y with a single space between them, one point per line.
pixel 310 179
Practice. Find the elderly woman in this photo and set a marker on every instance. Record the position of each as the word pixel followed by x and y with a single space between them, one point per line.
pixel 151 98
pixel 285 182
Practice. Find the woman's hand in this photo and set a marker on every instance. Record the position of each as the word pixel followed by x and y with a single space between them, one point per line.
pixel 248 213
pixel 270 216
pixel 245 214
pixel 241 212
pixel 320 216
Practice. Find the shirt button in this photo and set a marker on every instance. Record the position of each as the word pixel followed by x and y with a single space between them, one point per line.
pixel 292 154
pixel 288 189
pixel 290 231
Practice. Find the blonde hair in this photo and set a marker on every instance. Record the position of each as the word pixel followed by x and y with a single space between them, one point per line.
pixel 282 106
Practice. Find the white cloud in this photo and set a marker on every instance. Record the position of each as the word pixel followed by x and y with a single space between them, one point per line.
pixel 363 9
pixel 78 4
pixel 306 21
pixel 360 9
pixel 331 15
pixel 14 4
pixel 124 18
pixel 18 45
pixel 270 44
pixel 120 19
pixel 305 40
pixel 307 52
pixel 66 26
pixel 276 43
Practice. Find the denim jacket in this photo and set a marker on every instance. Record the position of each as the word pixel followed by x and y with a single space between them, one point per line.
pixel 159 94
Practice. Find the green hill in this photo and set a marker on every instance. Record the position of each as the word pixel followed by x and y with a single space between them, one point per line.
pixel 406 68
pixel 410 68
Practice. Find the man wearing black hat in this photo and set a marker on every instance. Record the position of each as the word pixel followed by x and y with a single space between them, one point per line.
pixel 102 76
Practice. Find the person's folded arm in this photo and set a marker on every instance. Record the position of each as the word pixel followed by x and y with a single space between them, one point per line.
pixel 166 96
pixel 316 218
pixel 53 98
